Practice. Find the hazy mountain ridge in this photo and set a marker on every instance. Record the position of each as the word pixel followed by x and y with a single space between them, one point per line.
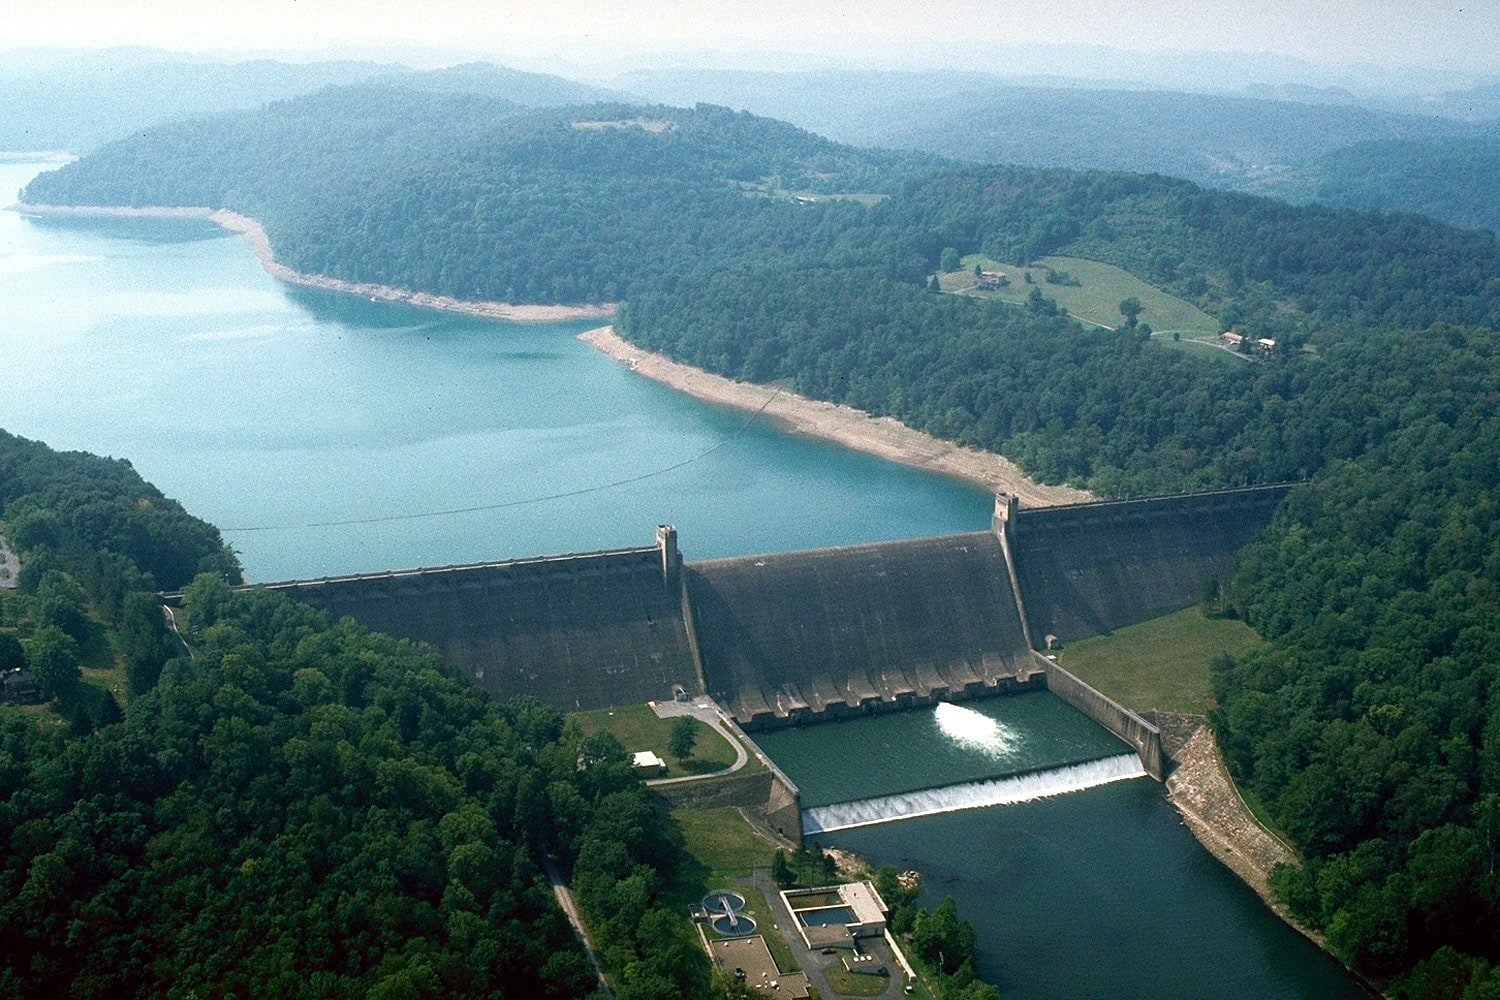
pixel 78 103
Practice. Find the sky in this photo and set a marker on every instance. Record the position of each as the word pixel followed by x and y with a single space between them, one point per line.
pixel 1462 35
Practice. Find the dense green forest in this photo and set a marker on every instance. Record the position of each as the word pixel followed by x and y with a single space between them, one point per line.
pixel 418 189
pixel 1369 730
pixel 1455 179
pixel 288 806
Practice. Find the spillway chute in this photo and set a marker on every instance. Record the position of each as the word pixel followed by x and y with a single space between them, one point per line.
pixel 1008 790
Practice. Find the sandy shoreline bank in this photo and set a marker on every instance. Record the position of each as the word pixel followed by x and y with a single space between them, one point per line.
pixel 255 234
pixel 844 425
pixel 884 437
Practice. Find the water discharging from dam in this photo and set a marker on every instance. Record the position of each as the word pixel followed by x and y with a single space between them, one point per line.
pixel 972 795
pixel 945 758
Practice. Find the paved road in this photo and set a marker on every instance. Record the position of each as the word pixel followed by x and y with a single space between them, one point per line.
pixel 705 711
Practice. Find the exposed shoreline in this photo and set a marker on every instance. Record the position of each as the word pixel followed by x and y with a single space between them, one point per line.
pixel 260 244
pixel 884 437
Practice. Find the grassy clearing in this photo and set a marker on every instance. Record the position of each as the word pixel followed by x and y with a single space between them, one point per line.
pixel 721 844
pixel 1094 299
pixel 852 984
pixel 1162 663
pixel 638 728
pixel 720 851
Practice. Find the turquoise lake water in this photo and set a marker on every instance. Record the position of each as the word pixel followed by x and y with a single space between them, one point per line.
pixel 281 415
pixel 273 411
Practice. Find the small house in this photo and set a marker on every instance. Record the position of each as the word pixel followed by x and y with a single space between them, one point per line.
pixel 22 686
pixel 649 764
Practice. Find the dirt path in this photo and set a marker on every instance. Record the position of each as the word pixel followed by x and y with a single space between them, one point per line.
pixel 10 566
pixel 883 436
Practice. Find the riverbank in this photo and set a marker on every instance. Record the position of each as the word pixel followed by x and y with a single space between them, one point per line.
pixel 260 244
pixel 884 437
pixel 1204 795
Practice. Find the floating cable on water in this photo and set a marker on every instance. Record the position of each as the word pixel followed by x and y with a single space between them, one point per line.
pixel 529 500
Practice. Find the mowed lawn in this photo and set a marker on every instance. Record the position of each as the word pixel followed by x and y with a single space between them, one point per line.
pixel 1163 663
pixel 638 728
pixel 1095 299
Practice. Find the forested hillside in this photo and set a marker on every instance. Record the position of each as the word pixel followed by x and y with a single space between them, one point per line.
pixel 419 189
pixel 1456 180
pixel 289 806
pixel 1369 731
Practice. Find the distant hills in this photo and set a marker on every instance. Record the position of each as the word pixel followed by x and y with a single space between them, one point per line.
pixel 1435 155
pixel 79 101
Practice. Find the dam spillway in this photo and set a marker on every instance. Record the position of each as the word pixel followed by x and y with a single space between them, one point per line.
pixel 841 631
pixel 1003 791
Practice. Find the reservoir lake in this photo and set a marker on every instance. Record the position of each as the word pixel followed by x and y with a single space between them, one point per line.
pixel 325 434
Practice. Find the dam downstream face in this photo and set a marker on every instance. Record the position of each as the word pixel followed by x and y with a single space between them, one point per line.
pixel 1094 893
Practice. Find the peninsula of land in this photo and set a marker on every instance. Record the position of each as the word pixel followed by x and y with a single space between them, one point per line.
pixel 260 244
pixel 884 437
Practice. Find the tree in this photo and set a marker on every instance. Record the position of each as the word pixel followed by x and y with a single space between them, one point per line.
pixel 11 653
pixel 52 655
pixel 941 938
pixel 683 737
pixel 1131 309
pixel 950 259
pixel 781 872
pixel 143 640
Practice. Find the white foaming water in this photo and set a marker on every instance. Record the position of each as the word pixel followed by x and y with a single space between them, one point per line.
pixel 974 795
pixel 964 725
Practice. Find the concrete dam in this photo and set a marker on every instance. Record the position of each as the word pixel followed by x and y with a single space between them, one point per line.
pixel 790 637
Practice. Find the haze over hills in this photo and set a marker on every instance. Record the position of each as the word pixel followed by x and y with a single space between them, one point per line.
pixel 77 101
pixel 1216 139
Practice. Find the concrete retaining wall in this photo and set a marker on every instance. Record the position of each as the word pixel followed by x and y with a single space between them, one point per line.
pixel 1140 734
pixel 765 797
